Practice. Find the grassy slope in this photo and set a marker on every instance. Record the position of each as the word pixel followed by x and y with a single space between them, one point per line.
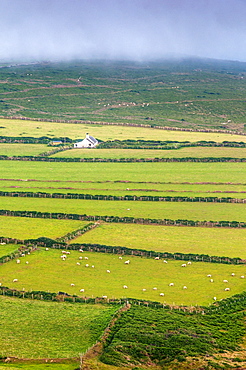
pixel 28 228
pixel 47 329
pixel 7 248
pixel 213 241
pixel 22 149
pixel 156 210
pixel 141 273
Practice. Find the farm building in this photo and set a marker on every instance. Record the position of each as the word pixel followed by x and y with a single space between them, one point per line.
pixel 88 142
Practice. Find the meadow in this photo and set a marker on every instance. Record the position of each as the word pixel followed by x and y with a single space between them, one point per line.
pixel 21 149
pixel 7 249
pixel 59 330
pixel 211 241
pixel 141 273
pixel 193 152
pixel 155 210
pixel 31 228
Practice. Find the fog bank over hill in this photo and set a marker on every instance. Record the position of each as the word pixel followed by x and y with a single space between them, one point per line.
pixel 122 30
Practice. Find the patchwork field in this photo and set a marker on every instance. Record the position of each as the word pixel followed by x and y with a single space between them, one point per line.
pixel 31 228
pixel 211 241
pixel 58 330
pixel 141 273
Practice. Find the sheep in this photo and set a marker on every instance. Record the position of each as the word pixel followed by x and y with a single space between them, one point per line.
pixel 154 288
pixel 17 261
pixel 165 261
pixel 157 258
pixel 183 265
pixel 93 266
pixel 105 296
pixel 82 290
pixel 23 255
pixel 46 249
pixel 127 262
pixel 171 284
pixel 80 258
pixel 211 280
pixel 72 284
pixel 144 290
pixel 189 263
pixel 184 287
pixel 86 258
pixel 78 263
pixel 225 281
pixel 209 275
pixel 233 274
pixel 125 287
pixel 162 294
pixel 87 265
pixel 15 280
pixel 242 276
pixel 27 262
pixel 215 298
pixel 120 258
pixel 81 250
pixel 227 289
pixel 108 271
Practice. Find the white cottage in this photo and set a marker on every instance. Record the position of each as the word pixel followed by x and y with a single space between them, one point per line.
pixel 88 142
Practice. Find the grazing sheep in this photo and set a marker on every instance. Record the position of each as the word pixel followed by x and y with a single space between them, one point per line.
pixel 162 294
pixel 125 287
pixel 144 290
pixel 227 289
pixel 17 261
pixel 93 266
pixel 171 284
pixel 157 258
pixel 72 284
pixel 15 280
pixel 183 265
pixel 233 274
pixel 80 258
pixel 242 276
pixel 127 262
pixel 46 249
pixel 108 271
pixel 86 258
pixel 215 298
pixel 165 261
pixel 154 288
pixel 78 263
pixel 120 258
pixel 184 287
pixel 87 265
pixel 23 255
pixel 82 290
pixel 211 280
pixel 225 281
pixel 104 296
pixel 81 250
pixel 189 263
pixel 27 262
pixel 209 275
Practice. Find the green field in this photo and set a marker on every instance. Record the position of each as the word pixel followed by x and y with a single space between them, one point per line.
pixel 36 329
pixel 22 149
pixel 31 228
pixel 211 241
pixel 156 210
pixel 194 152
pixel 7 248
pixel 141 273
pixel 35 366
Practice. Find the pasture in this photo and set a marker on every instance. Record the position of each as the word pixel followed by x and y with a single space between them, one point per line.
pixel 7 249
pixel 21 149
pixel 140 172
pixel 211 241
pixel 141 273
pixel 137 209
pixel 193 152
pixel 31 228
pixel 50 329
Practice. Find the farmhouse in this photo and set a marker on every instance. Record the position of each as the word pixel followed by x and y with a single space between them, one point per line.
pixel 88 142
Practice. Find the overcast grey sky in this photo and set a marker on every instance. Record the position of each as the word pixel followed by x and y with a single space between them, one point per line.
pixel 122 29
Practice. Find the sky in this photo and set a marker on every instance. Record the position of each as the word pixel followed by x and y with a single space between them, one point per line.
pixel 140 30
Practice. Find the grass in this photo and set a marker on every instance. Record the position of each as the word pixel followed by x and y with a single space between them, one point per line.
pixel 7 248
pixel 141 273
pixel 22 149
pixel 36 329
pixel 140 172
pixel 31 228
pixel 156 210
pixel 212 241
pixel 35 366
pixel 195 152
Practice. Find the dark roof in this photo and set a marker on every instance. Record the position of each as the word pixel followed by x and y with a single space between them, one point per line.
pixel 92 139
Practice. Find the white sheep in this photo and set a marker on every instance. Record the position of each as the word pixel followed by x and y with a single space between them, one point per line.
pixel 82 290
pixel 242 276
pixel 189 263
pixel 233 274
pixel 81 250
pixel 17 261
pixel 209 275
pixel 225 281
pixel 86 258
pixel 78 263
pixel 72 284
pixel 165 261
pixel 87 265
pixel 104 296
pixel 46 249
pixel 108 271
pixel 120 258
pixel 157 258
pixel 154 288
pixel 183 265
pixel 15 280
pixel 162 294
pixel 227 289
pixel 127 262
pixel 125 287
pixel 27 262
pixel 93 266
pixel 144 290
pixel 215 298
pixel 80 258
pixel 184 287
pixel 171 284
pixel 211 280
